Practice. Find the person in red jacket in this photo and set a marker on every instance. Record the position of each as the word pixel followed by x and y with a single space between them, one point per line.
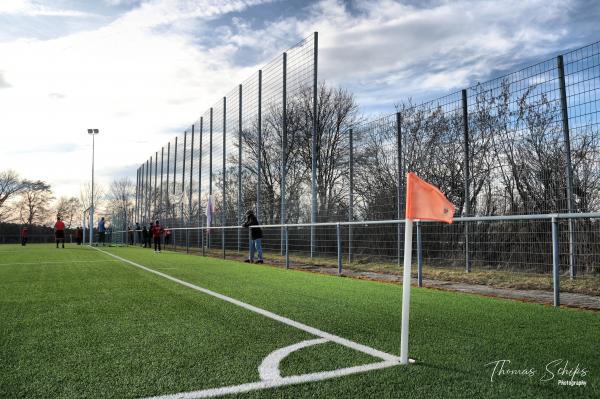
pixel 157 231
pixel 24 235
pixel 59 231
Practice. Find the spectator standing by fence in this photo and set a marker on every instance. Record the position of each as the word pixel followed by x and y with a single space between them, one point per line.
pixel 138 232
pixel 157 232
pixel 101 231
pixel 167 236
pixel 255 235
pixel 78 235
pixel 24 236
pixel 59 232
pixel 145 236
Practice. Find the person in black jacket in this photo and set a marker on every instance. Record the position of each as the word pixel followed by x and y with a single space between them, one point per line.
pixel 256 236
pixel 145 237
pixel 138 231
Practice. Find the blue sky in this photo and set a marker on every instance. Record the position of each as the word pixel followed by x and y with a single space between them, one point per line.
pixel 140 70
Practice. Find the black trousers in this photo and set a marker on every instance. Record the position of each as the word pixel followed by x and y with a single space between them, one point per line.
pixel 24 241
pixel 60 237
pixel 157 243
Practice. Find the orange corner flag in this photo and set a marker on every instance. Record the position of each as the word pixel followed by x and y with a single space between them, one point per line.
pixel 425 201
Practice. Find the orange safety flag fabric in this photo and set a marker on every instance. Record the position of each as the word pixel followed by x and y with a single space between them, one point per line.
pixel 425 201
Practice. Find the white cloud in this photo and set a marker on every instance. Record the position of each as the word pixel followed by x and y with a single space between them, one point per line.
pixel 400 50
pixel 120 2
pixel 131 82
pixel 30 8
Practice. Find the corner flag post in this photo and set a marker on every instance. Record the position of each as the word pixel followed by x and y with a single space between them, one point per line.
pixel 408 229
pixel 424 201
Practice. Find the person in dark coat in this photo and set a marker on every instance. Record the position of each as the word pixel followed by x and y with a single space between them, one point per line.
pixel 24 236
pixel 78 235
pixel 102 231
pixel 148 243
pixel 145 236
pixel 157 232
pixel 138 231
pixel 255 235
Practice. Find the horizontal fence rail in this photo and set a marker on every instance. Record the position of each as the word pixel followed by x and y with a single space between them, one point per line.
pixel 437 244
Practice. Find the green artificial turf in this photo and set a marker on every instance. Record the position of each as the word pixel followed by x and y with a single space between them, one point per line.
pixel 77 323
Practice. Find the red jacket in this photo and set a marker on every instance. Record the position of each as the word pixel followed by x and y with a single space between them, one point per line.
pixel 24 232
pixel 157 231
pixel 58 226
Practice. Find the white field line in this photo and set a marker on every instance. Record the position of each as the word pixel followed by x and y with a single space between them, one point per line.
pixel 58 262
pixel 300 326
pixel 269 368
pixel 292 380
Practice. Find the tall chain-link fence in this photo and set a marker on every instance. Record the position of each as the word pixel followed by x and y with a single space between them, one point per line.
pixel 522 144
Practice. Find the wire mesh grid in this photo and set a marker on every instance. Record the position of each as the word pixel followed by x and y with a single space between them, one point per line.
pixel 502 147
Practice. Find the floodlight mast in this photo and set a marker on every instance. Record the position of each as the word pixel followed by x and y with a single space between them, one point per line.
pixel 93 132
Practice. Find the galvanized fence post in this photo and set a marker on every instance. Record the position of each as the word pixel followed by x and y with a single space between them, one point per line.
pixel 568 164
pixel 155 190
pixel 210 168
pixel 284 145
pixel 260 147
pixel 162 164
pixel 419 255
pixel 239 182
pixel 315 121
pixel 200 235
pixel 137 189
pixel 167 176
pixel 150 191
pixel 467 200
pixel 555 263
pixel 287 249
pixel 191 189
pixel 400 182
pixel 351 194
pixel 203 231
pixel 224 194
pixel 146 193
pixel 339 248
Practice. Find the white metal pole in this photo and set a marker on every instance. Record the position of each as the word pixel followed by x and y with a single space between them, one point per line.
pixel 92 204
pixel 408 228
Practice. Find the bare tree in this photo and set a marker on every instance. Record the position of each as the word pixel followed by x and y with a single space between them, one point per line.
pixel 34 205
pixel 10 185
pixel 68 209
pixel 273 160
pixel 85 195
pixel 120 193
pixel 337 112
pixel 120 200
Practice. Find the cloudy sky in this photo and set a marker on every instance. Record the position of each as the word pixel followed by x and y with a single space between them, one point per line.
pixel 142 71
